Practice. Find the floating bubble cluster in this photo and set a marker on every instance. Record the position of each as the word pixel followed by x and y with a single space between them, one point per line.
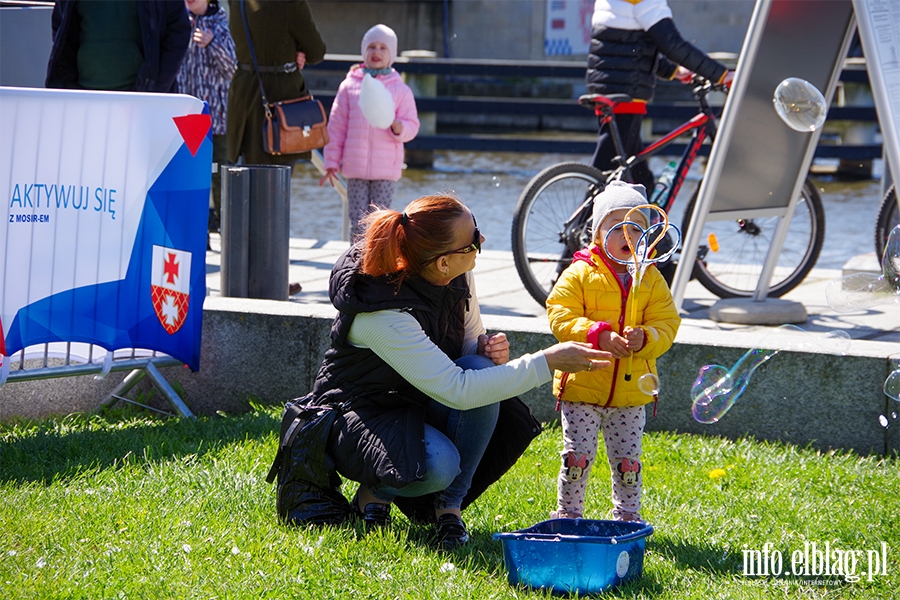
pixel 716 388
pixel 800 104
pixel 859 291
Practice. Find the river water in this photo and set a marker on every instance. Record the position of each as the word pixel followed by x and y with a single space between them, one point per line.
pixel 490 183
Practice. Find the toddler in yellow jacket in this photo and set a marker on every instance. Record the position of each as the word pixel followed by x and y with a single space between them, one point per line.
pixel 591 302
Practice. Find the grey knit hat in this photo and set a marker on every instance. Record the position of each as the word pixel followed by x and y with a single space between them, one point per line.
pixel 384 34
pixel 620 195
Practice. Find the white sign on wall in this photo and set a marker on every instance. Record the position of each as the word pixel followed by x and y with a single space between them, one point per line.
pixel 568 27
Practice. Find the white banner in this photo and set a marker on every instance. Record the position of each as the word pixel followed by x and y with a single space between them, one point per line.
pixel 92 183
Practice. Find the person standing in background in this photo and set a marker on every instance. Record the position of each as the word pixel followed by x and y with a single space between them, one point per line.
pixel 206 73
pixel 370 157
pixel 285 39
pixel 634 42
pixel 127 46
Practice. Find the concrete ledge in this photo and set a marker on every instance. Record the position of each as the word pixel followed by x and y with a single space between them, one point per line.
pixel 270 351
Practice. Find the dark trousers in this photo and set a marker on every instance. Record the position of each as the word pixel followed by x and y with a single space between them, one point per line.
pixel 219 158
pixel 630 130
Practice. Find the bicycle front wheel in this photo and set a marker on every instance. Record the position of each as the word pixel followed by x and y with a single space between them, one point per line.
pixel 551 222
pixel 888 218
pixel 732 254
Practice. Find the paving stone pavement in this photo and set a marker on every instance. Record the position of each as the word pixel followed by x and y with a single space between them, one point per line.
pixel 500 292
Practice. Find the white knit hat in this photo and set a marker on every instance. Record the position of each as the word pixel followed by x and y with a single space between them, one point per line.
pixel 383 34
pixel 619 195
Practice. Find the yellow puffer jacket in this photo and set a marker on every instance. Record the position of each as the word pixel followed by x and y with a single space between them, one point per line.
pixel 588 292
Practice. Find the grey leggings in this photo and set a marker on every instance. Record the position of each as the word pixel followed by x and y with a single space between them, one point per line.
pixel 365 195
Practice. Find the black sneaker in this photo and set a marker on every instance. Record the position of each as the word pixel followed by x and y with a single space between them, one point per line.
pixel 451 532
pixel 376 514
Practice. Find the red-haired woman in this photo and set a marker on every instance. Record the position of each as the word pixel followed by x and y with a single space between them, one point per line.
pixel 423 390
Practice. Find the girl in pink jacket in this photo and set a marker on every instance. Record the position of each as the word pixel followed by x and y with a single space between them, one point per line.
pixel 370 158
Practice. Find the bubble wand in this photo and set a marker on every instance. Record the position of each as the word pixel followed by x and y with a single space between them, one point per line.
pixel 641 257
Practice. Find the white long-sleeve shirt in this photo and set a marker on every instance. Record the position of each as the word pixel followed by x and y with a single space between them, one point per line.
pixel 399 340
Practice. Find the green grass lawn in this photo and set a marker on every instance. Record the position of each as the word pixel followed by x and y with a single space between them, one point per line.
pixel 134 506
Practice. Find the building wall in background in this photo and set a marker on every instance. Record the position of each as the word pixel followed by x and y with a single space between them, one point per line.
pixel 505 29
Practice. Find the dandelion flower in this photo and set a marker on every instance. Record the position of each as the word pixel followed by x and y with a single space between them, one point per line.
pixel 717 473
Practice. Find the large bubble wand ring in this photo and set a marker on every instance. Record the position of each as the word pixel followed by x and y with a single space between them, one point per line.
pixel 641 256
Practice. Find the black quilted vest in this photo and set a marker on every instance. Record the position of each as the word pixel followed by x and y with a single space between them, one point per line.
pixel 358 374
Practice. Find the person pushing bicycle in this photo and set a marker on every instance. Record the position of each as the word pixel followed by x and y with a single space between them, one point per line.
pixel 634 42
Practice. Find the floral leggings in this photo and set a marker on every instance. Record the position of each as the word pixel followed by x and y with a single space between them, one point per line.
pixel 622 428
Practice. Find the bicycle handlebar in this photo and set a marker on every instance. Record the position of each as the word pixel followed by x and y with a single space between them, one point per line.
pixel 604 104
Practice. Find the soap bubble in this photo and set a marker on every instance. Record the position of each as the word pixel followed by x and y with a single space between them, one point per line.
pixel 495 181
pixel 883 421
pixel 716 388
pixel 800 104
pixel 859 291
pixel 892 386
pixel 649 384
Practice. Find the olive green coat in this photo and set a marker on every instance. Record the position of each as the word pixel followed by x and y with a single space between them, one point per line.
pixel 280 29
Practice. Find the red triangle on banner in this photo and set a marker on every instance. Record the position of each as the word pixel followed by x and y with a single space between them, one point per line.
pixel 193 129
pixel 2 340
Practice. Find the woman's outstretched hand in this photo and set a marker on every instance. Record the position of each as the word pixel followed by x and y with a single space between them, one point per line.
pixel 572 357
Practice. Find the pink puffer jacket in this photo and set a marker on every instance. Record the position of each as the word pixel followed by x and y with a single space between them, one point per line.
pixel 359 150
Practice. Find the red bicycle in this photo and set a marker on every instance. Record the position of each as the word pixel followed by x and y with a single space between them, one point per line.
pixel 553 216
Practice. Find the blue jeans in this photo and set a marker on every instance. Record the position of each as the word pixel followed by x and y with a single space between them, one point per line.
pixel 453 450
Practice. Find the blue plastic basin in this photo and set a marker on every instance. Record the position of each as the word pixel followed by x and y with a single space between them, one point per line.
pixel 575 555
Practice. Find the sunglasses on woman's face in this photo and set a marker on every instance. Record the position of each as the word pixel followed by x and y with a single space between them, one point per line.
pixel 475 246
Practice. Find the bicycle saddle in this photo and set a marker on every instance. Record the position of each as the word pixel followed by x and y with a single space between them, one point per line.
pixel 593 100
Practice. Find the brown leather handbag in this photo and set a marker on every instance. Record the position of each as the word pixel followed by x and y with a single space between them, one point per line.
pixel 290 126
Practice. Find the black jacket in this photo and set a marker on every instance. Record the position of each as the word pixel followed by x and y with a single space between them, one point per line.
pixel 165 33
pixel 379 436
pixel 628 61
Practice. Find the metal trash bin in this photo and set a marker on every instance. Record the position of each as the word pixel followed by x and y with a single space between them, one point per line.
pixel 255 231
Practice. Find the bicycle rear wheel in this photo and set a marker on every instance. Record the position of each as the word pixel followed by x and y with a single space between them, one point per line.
pixel 551 222
pixel 888 218
pixel 732 269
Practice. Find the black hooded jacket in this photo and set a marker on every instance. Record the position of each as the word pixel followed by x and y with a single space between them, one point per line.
pixel 628 61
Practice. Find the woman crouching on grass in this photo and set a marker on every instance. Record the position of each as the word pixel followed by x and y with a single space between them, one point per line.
pixel 429 417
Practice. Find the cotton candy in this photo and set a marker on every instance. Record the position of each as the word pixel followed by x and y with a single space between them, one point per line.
pixel 376 103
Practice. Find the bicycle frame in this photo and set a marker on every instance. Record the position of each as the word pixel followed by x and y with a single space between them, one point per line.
pixel 563 194
pixel 703 123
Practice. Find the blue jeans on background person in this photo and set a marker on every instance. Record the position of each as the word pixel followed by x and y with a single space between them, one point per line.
pixel 452 451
